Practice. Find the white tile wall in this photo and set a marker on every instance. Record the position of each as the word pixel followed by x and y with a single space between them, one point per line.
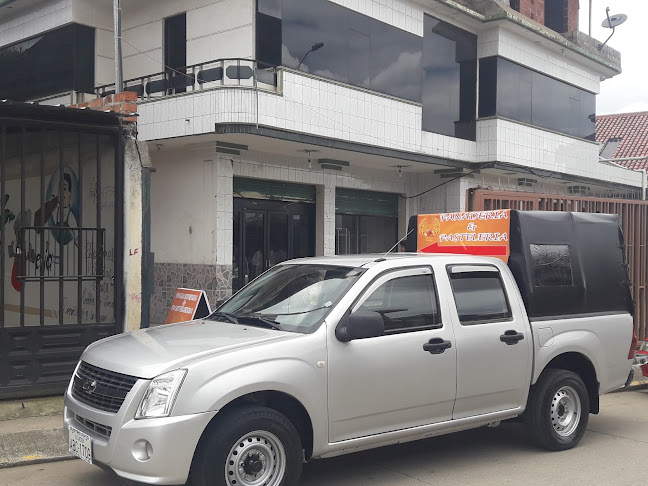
pixel 399 13
pixel 519 144
pixel 224 210
pixel 308 105
pixel 30 22
pixel 503 42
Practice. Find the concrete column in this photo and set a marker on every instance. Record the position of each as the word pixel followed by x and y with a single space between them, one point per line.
pixel 325 216
pixel 136 162
pixel 224 184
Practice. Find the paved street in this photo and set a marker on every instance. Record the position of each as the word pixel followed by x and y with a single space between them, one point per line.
pixel 614 452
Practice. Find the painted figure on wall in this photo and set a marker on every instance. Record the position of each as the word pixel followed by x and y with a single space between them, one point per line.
pixel 62 209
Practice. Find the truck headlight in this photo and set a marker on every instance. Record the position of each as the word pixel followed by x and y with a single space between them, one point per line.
pixel 160 396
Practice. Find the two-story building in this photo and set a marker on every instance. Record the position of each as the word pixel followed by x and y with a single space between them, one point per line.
pixel 285 128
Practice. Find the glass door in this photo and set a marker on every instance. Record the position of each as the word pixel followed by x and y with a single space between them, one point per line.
pixel 267 233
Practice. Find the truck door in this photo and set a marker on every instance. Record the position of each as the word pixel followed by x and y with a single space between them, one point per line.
pixel 391 382
pixel 494 345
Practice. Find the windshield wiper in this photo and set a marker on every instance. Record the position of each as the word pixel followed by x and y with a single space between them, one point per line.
pixel 256 320
pixel 230 317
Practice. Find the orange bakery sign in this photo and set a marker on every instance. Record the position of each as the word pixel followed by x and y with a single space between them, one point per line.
pixel 185 305
pixel 484 233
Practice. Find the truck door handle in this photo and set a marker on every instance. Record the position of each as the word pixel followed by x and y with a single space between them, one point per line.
pixel 511 337
pixel 436 346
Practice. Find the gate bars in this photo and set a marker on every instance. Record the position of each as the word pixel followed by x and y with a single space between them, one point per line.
pixel 634 223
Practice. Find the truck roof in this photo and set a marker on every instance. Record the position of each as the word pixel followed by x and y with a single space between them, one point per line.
pixel 371 259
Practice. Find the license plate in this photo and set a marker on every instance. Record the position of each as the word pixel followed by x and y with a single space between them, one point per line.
pixel 80 445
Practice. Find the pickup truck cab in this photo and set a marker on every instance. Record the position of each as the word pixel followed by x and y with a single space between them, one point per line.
pixel 324 356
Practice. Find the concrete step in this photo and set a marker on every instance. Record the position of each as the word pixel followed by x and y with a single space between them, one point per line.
pixel 31 407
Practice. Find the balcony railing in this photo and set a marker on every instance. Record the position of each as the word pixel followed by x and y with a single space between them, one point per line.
pixel 232 72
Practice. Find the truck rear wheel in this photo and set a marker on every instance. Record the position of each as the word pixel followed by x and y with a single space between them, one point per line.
pixel 249 446
pixel 558 410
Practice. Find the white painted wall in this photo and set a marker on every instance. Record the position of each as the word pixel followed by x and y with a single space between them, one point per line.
pixel 183 208
pixel 221 30
pixel 215 29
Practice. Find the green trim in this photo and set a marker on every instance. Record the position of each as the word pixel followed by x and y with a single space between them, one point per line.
pixel 368 203
pixel 222 150
pixel 333 162
pixel 273 190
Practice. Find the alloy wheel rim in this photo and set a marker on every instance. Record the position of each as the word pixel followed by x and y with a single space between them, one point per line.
pixel 565 411
pixel 257 459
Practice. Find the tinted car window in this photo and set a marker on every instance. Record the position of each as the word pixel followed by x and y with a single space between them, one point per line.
pixel 479 297
pixel 405 303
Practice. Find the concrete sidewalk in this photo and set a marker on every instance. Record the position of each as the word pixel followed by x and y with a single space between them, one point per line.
pixel 31 431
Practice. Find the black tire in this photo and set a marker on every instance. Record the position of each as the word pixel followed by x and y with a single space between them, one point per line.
pixel 543 414
pixel 222 437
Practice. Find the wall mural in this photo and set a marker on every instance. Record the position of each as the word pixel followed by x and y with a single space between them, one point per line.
pixel 59 238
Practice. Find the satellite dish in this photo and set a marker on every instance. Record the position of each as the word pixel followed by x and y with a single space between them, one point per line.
pixel 614 21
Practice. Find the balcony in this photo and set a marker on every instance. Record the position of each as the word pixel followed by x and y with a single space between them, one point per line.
pixel 219 73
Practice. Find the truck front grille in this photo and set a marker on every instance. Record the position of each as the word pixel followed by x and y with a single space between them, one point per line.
pixel 101 389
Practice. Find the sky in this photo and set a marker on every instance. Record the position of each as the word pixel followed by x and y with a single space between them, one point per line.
pixel 628 91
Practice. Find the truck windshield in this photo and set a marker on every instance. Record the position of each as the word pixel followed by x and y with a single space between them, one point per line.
pixel 289 297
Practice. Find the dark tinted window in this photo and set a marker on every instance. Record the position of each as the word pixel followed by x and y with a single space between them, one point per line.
pixel 268 32
pixel 449 80
pixel 175 41
pixel 479 296
pixel 551 266
pixel 55 62
pixel 405 303
pixel 357 49
pixel 513 91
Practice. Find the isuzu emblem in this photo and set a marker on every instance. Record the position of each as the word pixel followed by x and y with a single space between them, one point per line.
pixel 90 386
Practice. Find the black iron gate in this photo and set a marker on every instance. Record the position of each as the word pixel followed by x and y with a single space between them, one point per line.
pixel 61 258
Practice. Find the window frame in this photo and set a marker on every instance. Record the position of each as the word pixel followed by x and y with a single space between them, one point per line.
pixel 393 274
pixel 482 268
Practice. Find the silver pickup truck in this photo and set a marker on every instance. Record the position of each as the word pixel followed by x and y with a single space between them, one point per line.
pixel 325 356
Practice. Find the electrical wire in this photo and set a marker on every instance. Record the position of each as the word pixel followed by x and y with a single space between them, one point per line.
pixel 484 166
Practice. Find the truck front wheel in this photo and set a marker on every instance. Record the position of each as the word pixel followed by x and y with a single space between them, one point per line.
pixel 558 409
pixel 249 446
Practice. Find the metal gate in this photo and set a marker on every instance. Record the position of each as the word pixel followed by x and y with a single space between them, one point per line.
pixel 634 222
pixel 61 187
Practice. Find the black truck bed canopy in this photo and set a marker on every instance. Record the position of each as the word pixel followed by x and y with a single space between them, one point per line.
pixel 565 264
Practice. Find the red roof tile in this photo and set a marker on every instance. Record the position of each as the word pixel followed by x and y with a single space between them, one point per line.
pixel 632 128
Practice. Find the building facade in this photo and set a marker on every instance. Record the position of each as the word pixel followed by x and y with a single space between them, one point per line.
pixel 285 128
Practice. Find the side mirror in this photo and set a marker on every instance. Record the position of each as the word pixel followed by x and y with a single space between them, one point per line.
pixel 360 325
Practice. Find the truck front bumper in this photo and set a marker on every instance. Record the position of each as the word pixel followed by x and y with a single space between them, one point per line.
pixel 153 451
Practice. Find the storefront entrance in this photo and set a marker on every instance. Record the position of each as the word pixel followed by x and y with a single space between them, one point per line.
pixel 267 233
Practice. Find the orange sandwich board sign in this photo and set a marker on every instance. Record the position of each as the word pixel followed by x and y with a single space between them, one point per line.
pixel 484 233
pixel 187 305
